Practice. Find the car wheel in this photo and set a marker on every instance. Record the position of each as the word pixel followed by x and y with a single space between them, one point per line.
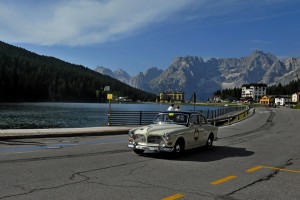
pixel 209 141
pixel 179 147
pixel 138 151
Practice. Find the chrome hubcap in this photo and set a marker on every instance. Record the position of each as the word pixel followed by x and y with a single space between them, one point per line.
pixel 209 141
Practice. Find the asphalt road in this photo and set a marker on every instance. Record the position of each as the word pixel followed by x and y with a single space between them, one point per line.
pixel 258 158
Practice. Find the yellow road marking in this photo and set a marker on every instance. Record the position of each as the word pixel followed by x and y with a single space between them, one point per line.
pixel 222 180
pixel 175 196
pixel 286 170
pixel 274 168
pixel 254 169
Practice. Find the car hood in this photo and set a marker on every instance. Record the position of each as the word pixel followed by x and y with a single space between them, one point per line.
pixel 159 129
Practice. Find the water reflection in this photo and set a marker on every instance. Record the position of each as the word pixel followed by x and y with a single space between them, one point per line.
pixel 68 115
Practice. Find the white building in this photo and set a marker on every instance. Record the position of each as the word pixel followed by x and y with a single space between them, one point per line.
pixel 282 100
pixel 254 91
pixel 296 97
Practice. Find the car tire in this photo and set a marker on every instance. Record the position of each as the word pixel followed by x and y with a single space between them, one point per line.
pixel 138 151
pixel 209 142
pixel 178 147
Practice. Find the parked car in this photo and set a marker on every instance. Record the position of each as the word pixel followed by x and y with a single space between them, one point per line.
pixel 173 131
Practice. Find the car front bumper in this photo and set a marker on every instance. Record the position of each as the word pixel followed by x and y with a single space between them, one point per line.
pixel 151 148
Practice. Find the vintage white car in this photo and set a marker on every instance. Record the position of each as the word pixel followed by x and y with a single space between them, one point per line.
pixel 173 131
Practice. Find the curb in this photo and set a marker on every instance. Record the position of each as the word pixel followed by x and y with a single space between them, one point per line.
pixel 62 132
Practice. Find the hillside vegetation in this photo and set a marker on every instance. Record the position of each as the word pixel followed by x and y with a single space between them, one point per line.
pixel 27 76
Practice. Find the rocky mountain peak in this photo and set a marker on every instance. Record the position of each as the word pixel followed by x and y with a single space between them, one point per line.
pixel 152 73
pixel 192 74
pixel 256 53
pixel 121 73
pixel 263 58
pixel 152 70
pixel 187 61
pixel 105 71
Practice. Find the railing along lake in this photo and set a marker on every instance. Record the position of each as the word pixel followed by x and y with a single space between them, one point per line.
pixel 119 118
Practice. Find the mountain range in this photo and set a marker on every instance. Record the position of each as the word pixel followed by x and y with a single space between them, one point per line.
pixel 194 74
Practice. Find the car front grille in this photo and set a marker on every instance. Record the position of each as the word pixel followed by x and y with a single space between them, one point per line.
pixel 154 139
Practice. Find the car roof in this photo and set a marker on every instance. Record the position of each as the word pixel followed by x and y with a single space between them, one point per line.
pixel 183 112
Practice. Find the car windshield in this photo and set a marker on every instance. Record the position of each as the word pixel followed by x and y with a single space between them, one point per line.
pixel 172 118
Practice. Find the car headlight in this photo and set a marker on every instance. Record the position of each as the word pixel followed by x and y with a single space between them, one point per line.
pixel 139 138
pixel 166 136
pixel 131 133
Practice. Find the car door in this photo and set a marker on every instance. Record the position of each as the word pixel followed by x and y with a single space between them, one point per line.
pixel 204 131
pixel 196 131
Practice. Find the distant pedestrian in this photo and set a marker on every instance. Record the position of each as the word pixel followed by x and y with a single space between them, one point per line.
pixel 171 107
pixel 177 108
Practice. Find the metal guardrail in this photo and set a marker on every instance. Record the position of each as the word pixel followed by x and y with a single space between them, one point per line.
pixel 119 118
pixel 213 114
pixel 230 117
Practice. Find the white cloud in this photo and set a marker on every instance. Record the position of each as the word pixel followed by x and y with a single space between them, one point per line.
pixel 81 22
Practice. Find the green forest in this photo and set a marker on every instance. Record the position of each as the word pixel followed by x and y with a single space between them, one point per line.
pixel 27 76
pixel 229 94
pixel 275 90
pixel 289 89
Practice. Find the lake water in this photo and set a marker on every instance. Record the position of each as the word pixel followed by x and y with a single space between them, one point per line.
pixel 69 115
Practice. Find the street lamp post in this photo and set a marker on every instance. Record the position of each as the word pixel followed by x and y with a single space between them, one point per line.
pixel 109 97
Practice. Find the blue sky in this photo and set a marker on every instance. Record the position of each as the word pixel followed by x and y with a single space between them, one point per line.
pixel 138 34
